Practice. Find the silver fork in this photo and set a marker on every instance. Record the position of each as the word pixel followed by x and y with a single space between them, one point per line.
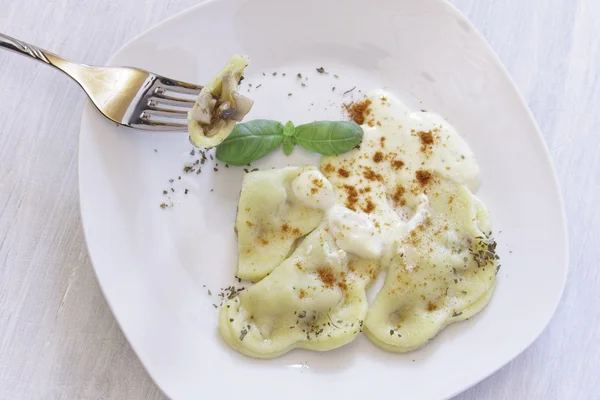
pixel 128 96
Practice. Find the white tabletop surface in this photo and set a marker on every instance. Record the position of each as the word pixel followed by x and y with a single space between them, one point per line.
pixel 58 338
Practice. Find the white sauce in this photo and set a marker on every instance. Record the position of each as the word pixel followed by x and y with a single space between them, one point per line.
pixel 362 233
pixel 423 211
pixel 314 190
pixel 353 232
pixel 451 155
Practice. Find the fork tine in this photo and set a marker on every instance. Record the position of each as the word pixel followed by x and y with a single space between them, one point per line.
pixel 178 95
pixel 179 84
pixel 158 126
pixel 174 106
pixel 183 90
pixel 154 115
pixel 159 120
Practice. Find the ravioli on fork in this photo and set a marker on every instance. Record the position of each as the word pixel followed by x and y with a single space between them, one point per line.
pixel 219 106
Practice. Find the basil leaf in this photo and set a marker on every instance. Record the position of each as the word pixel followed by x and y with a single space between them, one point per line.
pixel 288 129
pixel 288 140
pixel 288 145
pixel 329 137
pixel 250 141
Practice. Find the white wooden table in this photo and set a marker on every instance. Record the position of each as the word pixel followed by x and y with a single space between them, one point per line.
pixel 58 338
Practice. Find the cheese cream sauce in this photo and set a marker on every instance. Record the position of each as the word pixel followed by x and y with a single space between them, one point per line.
pixel 364 192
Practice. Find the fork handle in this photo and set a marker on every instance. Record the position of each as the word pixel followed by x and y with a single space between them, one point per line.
pixel 31 51
pixel 25 49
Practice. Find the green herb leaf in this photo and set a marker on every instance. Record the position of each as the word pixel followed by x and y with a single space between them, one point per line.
pixel 328 138
pixel 250 141
pixel 288 140
pixel 288 145
pixel 288 129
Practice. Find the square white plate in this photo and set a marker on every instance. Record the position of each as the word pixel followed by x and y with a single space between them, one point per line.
pixel 153 264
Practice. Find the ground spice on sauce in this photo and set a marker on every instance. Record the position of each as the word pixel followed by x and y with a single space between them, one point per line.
pixel 397 164
pixel 328 168
pixel 326 276
pixel 358 111
pixel 352 196
pixel 426 139
pixel 423 177
pixel 369 208
pixel 343 173
pixel 397 196
pixel 372 175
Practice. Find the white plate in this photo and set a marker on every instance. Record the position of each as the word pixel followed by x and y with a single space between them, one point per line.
pixel 153 264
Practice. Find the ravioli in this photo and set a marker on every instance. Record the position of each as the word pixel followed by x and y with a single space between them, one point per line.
pixel 314 300
pixel 442 270
pixel 402 201
pixel 219 106
pixel 270 219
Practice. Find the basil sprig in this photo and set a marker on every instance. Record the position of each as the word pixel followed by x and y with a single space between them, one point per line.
pixel 254 139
